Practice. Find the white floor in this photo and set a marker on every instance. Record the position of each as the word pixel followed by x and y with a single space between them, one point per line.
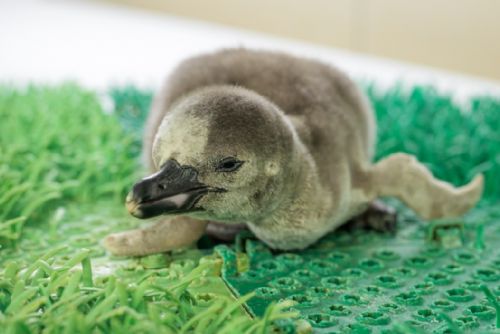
pixel 99 45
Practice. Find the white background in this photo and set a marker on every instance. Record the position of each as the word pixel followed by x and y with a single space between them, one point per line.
pixel 99 45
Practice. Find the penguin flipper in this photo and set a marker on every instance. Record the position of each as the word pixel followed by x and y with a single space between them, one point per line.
pixel 160 237
pixel 402 176
pixel 377 217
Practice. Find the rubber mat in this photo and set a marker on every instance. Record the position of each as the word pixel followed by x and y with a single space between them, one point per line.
pixel 440 277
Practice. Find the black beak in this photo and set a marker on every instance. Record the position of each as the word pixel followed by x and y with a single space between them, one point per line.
pixel 174 189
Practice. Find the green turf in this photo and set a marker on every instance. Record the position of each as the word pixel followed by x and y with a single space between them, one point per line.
pixel 368 281
pixel 65 166
pixel 56 147
pixel 455 141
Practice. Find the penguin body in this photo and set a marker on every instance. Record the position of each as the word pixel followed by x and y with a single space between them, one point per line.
pixel 279 143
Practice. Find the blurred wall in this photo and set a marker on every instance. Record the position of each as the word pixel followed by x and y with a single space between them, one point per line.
pixel 459 35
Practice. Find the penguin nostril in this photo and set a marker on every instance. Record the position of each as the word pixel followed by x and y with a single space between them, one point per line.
pixel 162 186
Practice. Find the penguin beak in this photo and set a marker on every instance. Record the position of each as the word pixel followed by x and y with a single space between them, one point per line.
pixel 174 189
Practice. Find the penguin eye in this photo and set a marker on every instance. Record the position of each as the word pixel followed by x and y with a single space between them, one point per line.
pixel 229 164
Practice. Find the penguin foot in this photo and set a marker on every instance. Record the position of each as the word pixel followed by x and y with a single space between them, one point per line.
pixel 162 236
pixel 377 217
pixel 402 176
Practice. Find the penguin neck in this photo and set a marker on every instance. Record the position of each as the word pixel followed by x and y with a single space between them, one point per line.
pixel 300 184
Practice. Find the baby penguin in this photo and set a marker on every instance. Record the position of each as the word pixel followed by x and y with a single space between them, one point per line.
pixel 280 144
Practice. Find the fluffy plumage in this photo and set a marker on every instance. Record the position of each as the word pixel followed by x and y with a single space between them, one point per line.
pixel 305 134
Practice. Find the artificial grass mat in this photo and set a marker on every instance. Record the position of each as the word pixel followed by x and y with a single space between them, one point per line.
pixel 66 163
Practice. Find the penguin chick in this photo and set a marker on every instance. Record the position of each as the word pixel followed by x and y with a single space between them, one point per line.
pixel 279 143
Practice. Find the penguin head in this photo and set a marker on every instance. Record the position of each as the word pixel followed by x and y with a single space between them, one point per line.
pixel 221 153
